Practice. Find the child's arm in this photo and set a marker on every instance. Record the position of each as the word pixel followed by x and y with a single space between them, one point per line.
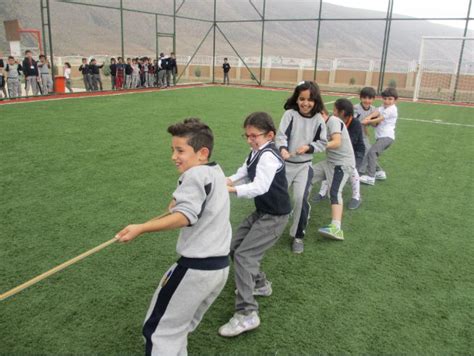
pixel 281 139
pixel 373 122
pixel 370 119
pixel 266 170
pixel 319 142
pixel 335 141
pixel 169 222
pixel 239 175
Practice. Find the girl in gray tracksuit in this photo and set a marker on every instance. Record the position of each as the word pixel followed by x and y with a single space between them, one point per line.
pixel 302 133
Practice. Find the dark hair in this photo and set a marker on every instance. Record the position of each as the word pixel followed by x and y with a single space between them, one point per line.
pixel 344 105
pixel 390 92
pixel 11 57
pixel 42 56
pixel 314 95
pixel 67 64
pixel 367 92
pixel 261 120
pixel 225 59
pixel 199 135
pixel 28 51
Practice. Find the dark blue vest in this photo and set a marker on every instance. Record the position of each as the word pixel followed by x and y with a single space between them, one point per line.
pixel 277 200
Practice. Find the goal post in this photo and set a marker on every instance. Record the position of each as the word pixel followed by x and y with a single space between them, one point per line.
pixel 445 69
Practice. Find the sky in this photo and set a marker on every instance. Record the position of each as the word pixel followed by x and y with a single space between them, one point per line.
pixel 417 8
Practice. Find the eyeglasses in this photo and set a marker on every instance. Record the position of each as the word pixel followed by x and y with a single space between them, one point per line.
pixel 252 137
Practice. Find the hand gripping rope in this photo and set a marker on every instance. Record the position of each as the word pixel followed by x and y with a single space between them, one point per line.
pixel 62 266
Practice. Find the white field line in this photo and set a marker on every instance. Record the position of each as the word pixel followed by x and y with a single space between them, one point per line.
pixel 436 122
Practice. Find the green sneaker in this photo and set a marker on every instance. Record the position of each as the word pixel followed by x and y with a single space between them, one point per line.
pixel 332 232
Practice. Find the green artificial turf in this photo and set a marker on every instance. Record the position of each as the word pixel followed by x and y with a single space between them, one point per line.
pixel 74 172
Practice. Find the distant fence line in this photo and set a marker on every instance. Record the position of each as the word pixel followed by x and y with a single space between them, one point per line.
pixel 347 74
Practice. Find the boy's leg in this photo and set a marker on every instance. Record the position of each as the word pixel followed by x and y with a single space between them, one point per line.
pixel 99 80
pixel 44 84
pixel 355 184
pixel 301 190
pixel 34 84
pixel 324 188
pixel 264 232
pixel 178 306
pixel 375 151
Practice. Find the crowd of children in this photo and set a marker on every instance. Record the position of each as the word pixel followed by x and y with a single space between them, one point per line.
pixel 132 73
pixel 278 159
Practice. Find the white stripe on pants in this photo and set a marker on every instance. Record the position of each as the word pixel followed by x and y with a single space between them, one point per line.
pixel 299 175
pixel 336 177
pixel 355 185
pixel 176 310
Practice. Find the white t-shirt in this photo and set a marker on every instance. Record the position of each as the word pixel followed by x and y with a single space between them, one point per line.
pixel 67 73
pixel 387 127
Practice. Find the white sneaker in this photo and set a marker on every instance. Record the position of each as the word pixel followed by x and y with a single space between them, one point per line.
pixel 367 180
pixel 380 175
pixel 239 324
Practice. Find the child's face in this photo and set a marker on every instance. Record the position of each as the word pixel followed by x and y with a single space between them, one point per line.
pixel 256 138
pixel 84 61
pixel 388 101
pixel 183 155
pixel 366 101
pixel 337 113
pixel 305 103
pixel 11 61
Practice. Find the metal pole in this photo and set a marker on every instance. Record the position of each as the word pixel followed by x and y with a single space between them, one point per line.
pixel 50 40
pixel 157 49
pixel 385 40
pixel 214 44
pixel 43 25
pixel 317 40
pixel 458 72
pixel 174 26
pixel 386 45
pixel 121 29
pixel 262 43
pixel 418 73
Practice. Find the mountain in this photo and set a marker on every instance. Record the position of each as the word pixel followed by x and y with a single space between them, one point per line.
pixel 84 30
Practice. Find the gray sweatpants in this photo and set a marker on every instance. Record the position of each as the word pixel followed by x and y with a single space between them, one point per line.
pixel 13 87
pixel 46 84
pixel 226 78
pixel 162 78
pixel 375 151
pixel 87 83
pixel 255 235
pixel 96 82
pixel 336 177
pixel 362 167
pixel 32 82
pixel 68 85
pixel 300 176
pixel 178 306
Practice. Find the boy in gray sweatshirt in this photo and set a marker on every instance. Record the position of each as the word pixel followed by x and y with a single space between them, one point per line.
pixel 14 71
pixel 200 208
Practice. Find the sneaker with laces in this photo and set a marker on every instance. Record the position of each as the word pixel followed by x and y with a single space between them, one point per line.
pixel 353 204
pixel 263 291
pixel 332 232
pixel 297 246
pixel 239 324
pixel 367 180
pixel 380 175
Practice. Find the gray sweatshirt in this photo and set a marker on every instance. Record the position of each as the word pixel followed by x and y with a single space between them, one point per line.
pixel 344 154
pixel 296 130
pixel 202 197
